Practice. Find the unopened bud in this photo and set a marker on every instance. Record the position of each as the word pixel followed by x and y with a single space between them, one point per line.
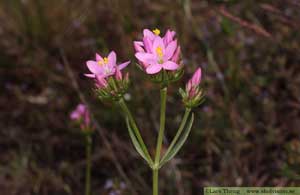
pixel 101 82
pixel 118 74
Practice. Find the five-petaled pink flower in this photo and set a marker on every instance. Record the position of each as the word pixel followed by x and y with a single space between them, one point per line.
pixel 156 53
pixel 104 67
pixel 82 115
pixel 192 87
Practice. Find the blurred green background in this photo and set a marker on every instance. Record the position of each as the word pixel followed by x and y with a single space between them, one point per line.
pixel 245 134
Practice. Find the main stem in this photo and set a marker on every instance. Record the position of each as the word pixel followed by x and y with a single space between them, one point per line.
pixel 155 182
pixel 163 99
pixel 88 147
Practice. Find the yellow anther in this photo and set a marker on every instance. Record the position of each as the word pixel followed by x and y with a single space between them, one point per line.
pixel 156 31
pixel 159 51
pixel 105 60
pixel 102 62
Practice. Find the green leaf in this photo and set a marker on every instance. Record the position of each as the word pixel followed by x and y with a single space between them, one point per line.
pixel 135 142
pixel 168 156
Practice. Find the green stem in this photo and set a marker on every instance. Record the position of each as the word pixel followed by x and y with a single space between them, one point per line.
pixel 163 100
pixel 124 107
pixel 179 131
pixel 155 181
pixel 88 147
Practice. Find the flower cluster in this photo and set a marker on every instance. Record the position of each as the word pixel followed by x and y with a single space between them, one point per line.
pixel 158 55
pixel 109 80
pixel 192 96
pixel 81 115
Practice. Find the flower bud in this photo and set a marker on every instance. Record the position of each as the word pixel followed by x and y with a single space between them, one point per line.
pixel 169 36
pixel 176 57
pixel 138 46
pixel 100 82
pixel 192 96
pixel 81 115
pixel 196 77
pixel 127 76
pixel 118 74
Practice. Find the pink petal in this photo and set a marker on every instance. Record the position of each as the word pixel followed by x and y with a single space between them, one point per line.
pixel 146 57
pixel 169 36
pixel 90 75
pixel 170 50
pixel 192 93
pixel 138 46
pixel 158 42
pixel 94 67
pixel 78 112
pixel 188 86
pixel 153 69
pixel 81 108
pixel 149 33
pixel 109 72
pixel 147 44
pixel 101 82
pixel 176 55
pixel 123 65
pixel 140 43
pixel 169 65
pixel 74 115
pixel 112 59
pixel 87 118
pixel 118 74
pixel 98 57
pixel 196 77
pixel 144 65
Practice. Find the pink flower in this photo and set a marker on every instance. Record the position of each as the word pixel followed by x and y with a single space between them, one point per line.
pixel 160 56
pixel 192 87
pixel 82 115
pixel 156 53
pixel 104 67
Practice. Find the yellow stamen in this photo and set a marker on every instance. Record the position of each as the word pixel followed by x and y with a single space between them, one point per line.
pixel 105 60
pixel 159 51
pixel 102 62
pixel 156 31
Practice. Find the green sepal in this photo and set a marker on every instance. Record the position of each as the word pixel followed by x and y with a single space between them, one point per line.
pixel 182 93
